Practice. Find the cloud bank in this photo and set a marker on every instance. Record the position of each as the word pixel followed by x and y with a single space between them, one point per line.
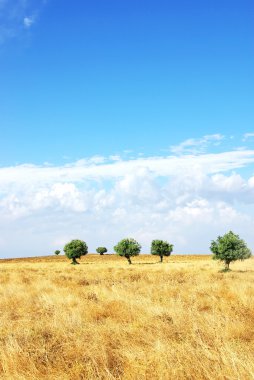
pixel 187 199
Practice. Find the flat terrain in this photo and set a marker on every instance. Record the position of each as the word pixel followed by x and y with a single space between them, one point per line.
pixel 105 319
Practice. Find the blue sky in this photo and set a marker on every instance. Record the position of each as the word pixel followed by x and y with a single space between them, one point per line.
pixel 101 77
pixel 105 84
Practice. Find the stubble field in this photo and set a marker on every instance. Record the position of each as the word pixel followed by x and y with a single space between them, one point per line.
pixel 105 319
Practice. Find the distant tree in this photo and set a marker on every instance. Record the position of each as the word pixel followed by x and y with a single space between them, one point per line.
pixel 228 248
pixel 101 250
pixel 161 248
pixel 75 249
pixel 57 252
pixel 128 248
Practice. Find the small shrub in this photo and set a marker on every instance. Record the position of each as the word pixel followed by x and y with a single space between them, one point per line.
pixel 57 252
pixel 101 250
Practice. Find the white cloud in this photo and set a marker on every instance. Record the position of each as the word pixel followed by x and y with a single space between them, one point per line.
pixel 232 183
pixel 194 146
pixel 247 136
pixel 63 195
pixel 88 169
pixel 17 15
pixel 28 21
pixel 187 199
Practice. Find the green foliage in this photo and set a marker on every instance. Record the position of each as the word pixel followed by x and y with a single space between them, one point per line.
pixel 57 252
pixel 75 249
pixel 128 248
pixel 101 250
pixel 229 247
pixel 161 248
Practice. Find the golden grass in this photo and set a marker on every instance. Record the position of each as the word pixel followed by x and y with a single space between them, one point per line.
pixel 105 319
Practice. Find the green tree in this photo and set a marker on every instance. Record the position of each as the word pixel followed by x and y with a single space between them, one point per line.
pixel 101 250
pixel 161 248
pixel 75 249
pixel 128 248
pixel 229 247
pixel 57 252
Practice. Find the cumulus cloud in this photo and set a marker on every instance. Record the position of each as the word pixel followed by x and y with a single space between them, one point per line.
pixel 187 199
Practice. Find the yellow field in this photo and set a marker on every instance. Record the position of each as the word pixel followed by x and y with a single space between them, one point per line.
pixel 105 319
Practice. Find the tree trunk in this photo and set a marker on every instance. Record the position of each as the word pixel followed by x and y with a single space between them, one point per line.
pixel 74 261
pixel 129 259
pixel 161 258
pixel 227 265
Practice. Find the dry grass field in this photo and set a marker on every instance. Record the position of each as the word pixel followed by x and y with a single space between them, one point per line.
pixel 105 319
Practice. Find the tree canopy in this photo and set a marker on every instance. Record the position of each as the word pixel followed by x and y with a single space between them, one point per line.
pixel 101 250
pixel 128 248
pixel 161 248
pixel 75 249
pixel 228 248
